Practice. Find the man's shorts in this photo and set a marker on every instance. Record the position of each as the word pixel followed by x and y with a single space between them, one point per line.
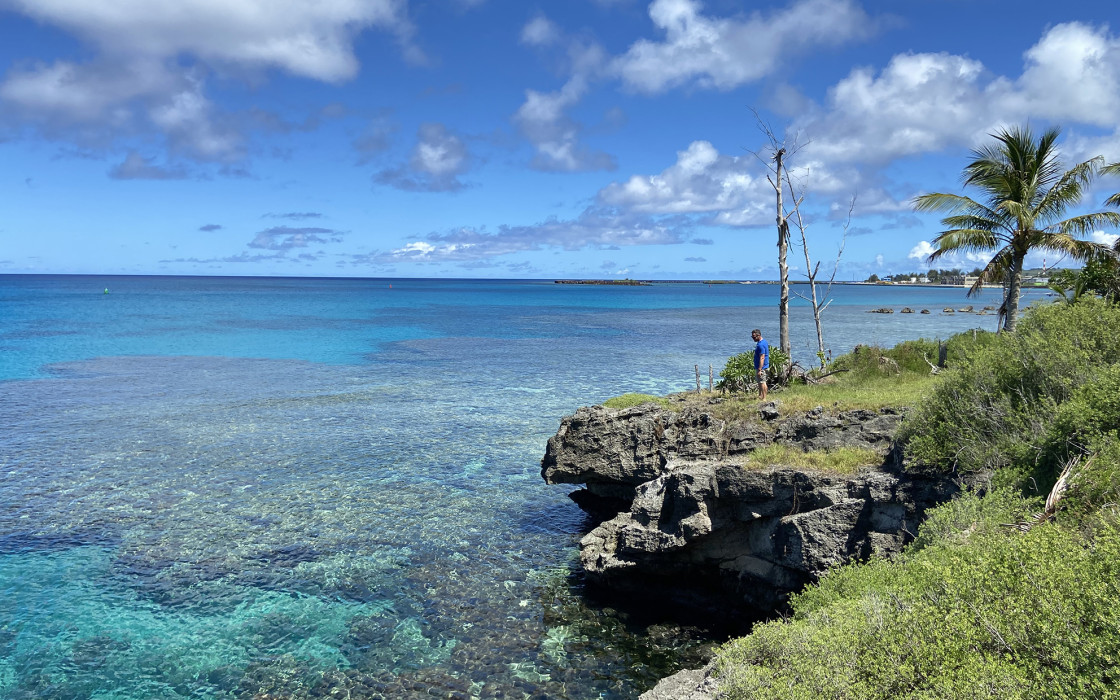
pixel 762 376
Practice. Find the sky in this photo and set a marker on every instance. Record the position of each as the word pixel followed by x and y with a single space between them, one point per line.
pixel 520 139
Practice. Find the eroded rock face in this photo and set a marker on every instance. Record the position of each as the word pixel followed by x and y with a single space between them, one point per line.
pixel 694 524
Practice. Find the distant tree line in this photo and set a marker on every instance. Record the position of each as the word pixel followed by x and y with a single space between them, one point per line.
pixel 933 276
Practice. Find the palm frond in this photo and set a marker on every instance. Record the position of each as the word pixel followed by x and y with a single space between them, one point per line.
pixel 995 271
pixel 1068 190
pixel 963 240
pixel 1088 223
pixel 1075 248
pixel 939 201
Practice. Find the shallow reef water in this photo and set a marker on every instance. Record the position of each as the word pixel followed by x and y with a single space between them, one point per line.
pixel 299 489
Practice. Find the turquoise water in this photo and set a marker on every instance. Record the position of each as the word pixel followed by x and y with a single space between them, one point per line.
pixel 239 488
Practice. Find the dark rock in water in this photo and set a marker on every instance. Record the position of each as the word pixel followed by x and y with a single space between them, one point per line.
pixel 966 310
pixel 906 310
pixel 989 308
pixel 949 311
pixel 707 532
pixel 882 310
pixel 925 311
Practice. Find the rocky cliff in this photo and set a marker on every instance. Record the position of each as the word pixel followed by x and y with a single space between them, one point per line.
pixel 683 518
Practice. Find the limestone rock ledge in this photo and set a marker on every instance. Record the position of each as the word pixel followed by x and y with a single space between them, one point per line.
pixel 684 521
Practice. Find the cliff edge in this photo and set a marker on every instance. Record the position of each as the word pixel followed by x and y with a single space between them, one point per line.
pixel 684 518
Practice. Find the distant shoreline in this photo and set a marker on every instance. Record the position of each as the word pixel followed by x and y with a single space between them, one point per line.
pixel 648 283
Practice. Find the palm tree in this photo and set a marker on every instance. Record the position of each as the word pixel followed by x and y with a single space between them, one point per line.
pixel 1025 193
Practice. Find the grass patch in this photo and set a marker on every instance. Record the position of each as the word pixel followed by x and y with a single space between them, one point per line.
pixel 905 389
pixel 842 460
pixel 631 400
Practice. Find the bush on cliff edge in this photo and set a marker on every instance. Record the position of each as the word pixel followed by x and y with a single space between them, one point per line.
pixel 975 608
pixel 996 410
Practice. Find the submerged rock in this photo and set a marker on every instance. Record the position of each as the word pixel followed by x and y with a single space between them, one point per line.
pixel 694 524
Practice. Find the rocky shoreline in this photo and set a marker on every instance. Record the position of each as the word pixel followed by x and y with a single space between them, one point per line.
pixel 682 520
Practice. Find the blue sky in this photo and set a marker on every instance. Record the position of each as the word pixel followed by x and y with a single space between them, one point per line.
pixel 503 138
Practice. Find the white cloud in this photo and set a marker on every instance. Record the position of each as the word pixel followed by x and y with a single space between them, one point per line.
pixel 1106 239
pixel 438 152
pixel 540 31
pixel 1073 72
pixel 556 137
pixel 311 38
pixel 922 103
pixel 150 60
pixel 922 251
pixel 701 180
pixel 437 161
pixel 726 53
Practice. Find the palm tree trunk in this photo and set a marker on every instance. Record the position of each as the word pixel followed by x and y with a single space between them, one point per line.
pixel 1014 284
pixel 783 266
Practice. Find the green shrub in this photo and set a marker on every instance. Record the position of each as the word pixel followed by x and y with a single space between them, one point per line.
pixel 1079 425
pixel 990 612
pixel 738 374
pixel 776 374
pixel 1095 485
pixel 992 412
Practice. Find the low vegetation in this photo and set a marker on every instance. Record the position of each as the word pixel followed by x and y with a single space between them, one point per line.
pixel 631 400
pixel 842 460
pixel 992 599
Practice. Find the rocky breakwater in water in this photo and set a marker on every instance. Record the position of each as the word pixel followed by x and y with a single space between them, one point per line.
pixel 684 518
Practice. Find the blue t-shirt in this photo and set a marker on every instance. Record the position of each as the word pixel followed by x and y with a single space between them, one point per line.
pixel 762 350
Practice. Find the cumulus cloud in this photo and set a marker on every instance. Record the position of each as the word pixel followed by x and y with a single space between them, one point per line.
pixel 701 180
pixel 922 103
pixel 724 53
pixel 151 58
pixel 922 251
pixel 1105 239
pixel 309 38
pixel 437 161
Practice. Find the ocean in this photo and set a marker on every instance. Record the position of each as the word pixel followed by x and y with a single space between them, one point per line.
pixel 298 488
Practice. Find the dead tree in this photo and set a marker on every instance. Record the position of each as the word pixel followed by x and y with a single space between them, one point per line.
pixel 775 163
pixel 822 301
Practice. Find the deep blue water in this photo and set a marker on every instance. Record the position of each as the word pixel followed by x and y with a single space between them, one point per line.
pixel 222 487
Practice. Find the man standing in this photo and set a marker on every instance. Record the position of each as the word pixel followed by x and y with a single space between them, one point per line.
pixel 761 361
